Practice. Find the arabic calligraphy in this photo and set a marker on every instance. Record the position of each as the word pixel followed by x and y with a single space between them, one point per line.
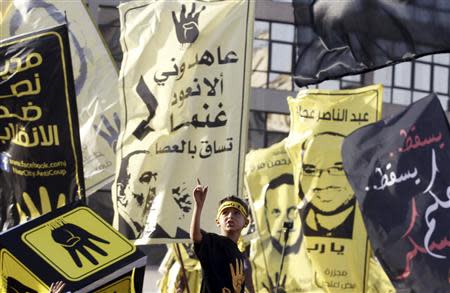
pixel 204 150
pixel 29 113
pixel 270 164
pixel 24 87
pixel 429 247
pixel 412 141
pixel 430 221
pixel 207 59
pixel 196 90
pixel 36 136
pixel 321 248
pixel 392 178
pixel 334 283
pixel 15 65
pixel 332 115
pixel 335 273
pixel 219 121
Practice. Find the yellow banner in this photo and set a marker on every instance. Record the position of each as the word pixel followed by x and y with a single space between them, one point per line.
pixel 185 84
pixel 171 268
pixel 335 237
pixel 94 72
pixel 270 185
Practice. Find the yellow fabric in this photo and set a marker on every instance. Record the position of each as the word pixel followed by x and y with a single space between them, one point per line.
pixel 335 237
pixel 197 84
pixel 378 280
pixel 172 273
pixel 274 201
pixel 231 204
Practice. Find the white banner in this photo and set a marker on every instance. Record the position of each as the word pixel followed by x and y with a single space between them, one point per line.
pixel 185 88
pixel 95 78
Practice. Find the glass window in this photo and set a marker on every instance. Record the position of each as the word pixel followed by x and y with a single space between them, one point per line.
pixel 383 76
pixel 260 55
pixel 441 59
pixel 403 74
pixel 261 30
pixel 281 59
pixel 440 79
pixel 422 74
pixel 282 32
pixel 401 97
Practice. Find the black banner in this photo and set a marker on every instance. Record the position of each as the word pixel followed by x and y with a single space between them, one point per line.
pixel 40 153
pixel 400 171
pixel 338 38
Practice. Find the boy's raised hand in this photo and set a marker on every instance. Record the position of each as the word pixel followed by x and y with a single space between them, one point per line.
pixel 199 193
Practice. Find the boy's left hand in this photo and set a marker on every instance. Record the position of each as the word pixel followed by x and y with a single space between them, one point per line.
pixel 199 193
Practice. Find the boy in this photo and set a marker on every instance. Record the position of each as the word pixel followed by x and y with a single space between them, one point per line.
pixel 222 262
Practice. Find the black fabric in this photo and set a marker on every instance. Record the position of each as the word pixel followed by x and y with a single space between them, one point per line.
pixel 351 37
pixel 400 171
pixel 221 260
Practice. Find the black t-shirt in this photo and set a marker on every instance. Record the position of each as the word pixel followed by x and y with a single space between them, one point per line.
pixel 222 264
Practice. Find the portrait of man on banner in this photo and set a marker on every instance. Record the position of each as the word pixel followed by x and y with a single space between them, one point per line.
pixel 136 191
pixel 280 209
pixel 330 201
pixel 331 220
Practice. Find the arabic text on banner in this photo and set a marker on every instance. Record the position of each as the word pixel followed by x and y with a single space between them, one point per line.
pixel 95 77
pixel 270 185
pixel 335 238
pixel 185 85
pixel 40 154
pixel 402 184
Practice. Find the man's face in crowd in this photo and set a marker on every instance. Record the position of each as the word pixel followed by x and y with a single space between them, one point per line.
pixel 139 193
pixel 322 177
pixel 281 206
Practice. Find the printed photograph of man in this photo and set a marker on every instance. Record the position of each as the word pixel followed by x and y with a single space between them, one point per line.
pixel 330 203
pixel 136 191
pixel 280 207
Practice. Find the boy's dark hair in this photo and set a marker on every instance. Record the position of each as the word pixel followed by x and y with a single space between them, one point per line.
pixel 236 199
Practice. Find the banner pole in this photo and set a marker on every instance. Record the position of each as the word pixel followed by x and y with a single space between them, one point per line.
pixel 287 228
pixel 183 270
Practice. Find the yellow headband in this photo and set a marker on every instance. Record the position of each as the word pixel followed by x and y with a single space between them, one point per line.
pixel 232 204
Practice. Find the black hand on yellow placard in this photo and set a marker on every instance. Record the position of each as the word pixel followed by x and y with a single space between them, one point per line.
pixel 75 239
pixel 46 206
pixel 187 27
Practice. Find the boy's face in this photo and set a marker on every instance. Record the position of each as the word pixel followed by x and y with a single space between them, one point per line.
pixel 231 221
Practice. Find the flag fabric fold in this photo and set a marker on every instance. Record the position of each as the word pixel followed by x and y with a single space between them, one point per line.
pixel 400 173
pixel 338 38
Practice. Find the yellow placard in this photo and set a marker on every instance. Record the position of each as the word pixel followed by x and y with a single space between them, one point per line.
pixel 335 237
pixel 78 244
pixel 16 277
pixel 270 185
